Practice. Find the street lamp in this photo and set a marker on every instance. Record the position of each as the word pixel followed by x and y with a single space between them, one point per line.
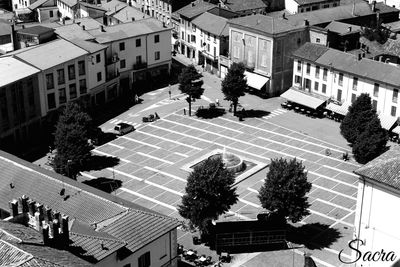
pixel 68 163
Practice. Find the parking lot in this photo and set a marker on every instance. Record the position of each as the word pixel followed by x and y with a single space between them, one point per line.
pixel 152 161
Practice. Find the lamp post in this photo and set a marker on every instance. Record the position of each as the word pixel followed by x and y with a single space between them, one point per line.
pixel 68 163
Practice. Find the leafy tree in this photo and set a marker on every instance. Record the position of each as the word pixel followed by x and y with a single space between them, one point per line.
pixel 190 84
pixel 71 140
pixel 209 193
pixel 371 143
pixel 234 84
pixel 376 32
pixel 356 120
pixel 285 188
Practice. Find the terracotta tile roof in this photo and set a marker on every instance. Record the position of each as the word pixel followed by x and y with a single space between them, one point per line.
pixel 310 51
pixel 115 219
pixel 137 228
pixel 385 169
pixel 37 4
pixel 190 12
pixel 212 23
pixel 342 28
pixel 265 24
pixel 244 5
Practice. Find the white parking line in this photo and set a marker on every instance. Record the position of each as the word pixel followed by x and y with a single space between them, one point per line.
pixel 120 147
pixel 332 179
pixel 333 204
pixel 342 219
pixel 140 142
pixel 231 138
pixel 108 155
pixel 339 170
pixel 180 154
pixel 249 203
pixel 165 173
pixel 220 126
pixel 334 192
pixel 152 157
pixel 149 199
pixel 169 140
pixel 88 175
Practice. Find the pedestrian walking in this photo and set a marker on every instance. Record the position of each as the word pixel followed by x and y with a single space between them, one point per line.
pixel 169 91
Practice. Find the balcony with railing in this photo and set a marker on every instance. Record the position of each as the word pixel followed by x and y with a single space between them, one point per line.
pixel 112 59
pixel 139 65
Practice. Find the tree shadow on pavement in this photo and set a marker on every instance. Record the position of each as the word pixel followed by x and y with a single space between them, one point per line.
pixel 97 162
pixel 253 113
pixel 313 235
pixel 104 184
pixel 210 113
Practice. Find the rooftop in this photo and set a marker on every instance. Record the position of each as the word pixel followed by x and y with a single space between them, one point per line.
pixel 70 3
pixel 35 30
pixel 90 46
pixel 385 169
pixel 97 216
pixel 349 63
pixel 37 4
pixel 5 29
pixel 55 53
pixel 195 9
pixel 23 246
pixel 128 30
pixel 342 28
pixel 393 26
pixel 240 5
pixel 13 70
pixel 128 14
pixel 265 24
pixel 73 31
pixel 212 23
pixel 307 2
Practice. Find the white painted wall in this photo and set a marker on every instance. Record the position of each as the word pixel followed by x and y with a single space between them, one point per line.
pixel 93 68
pixel 379 225
pixel 291 6
pixel 158 9
pixel 384 99
pixel 65 10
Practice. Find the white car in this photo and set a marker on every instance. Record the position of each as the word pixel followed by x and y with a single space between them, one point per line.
pixel 123 128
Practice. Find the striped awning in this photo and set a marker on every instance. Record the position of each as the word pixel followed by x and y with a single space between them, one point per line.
pixel 396 130
pixel 255 81
pixel 303 98
pixel 387 122
pixel 339 109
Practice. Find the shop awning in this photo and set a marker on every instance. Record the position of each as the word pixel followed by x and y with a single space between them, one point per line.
pixel 396 130
pixel 255 81
pixel 387 122
pixel 339 109
pixel 303 98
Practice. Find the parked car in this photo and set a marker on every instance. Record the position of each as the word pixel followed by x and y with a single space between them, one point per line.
pixel 123 128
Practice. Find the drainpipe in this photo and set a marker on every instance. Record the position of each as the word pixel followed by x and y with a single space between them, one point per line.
pixel 359 223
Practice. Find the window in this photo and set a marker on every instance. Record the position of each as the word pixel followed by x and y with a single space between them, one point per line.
pixel 355 83
pixel 51 14
pixel 324 88
pixel 208 47
pixel 215 51
pixel 308 68
pixel 82 87
pixel 374 104
pixel 353 98
pixel 72 91
pixel 339 95
pixel 395 95
pixel 298 65
pixel 98 58
pixel 318 40
pixel 81 67
pixel 317 69
pixel 193 38
pixel 193 28
pixel 122 64
pixel 51 101
pixel 121 46
pixel 376 89
pixel 316 84
pixel 188 38
pixel 99 78
pixel 61 76
pixel 183 36
pixel 62 98
pixel 393 111
pixel 138 42
pixel 71 72
pixel 236 52
pixel 157 55
pixel 201 32
pixel 208 36
pixel 297 79
pixel 144 260
pixel 49 81
pixel 156 38
pixel 325 74
pixel 307 84
pixel 215 39
pixel 138 59
pixel 341 79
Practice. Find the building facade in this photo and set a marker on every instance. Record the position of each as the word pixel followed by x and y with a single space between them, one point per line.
pixel 342 77
pixel 159 9
pixel 19 103
pixel 68 8
pixel 376 227
pixel 264 45
pixel 297 6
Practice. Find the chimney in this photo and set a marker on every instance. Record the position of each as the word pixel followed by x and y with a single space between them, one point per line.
pixel 283 15
pixel 31 206
pixel 56 232
pixel 306 23
pixel 102 28
pixel 373 6
pixel 163 24
pixel 83 27
pixel 38 222
pixel 363 54
pixel 14 207
pixel 14 37
pixel 349 29
pixel 133 19
pixel 193 3
pixel 45 234
pixel 359 57
pixel 24 202
pixel 64 228
pixel 48 216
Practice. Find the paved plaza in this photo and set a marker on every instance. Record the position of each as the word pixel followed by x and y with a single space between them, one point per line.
pixel 154 160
